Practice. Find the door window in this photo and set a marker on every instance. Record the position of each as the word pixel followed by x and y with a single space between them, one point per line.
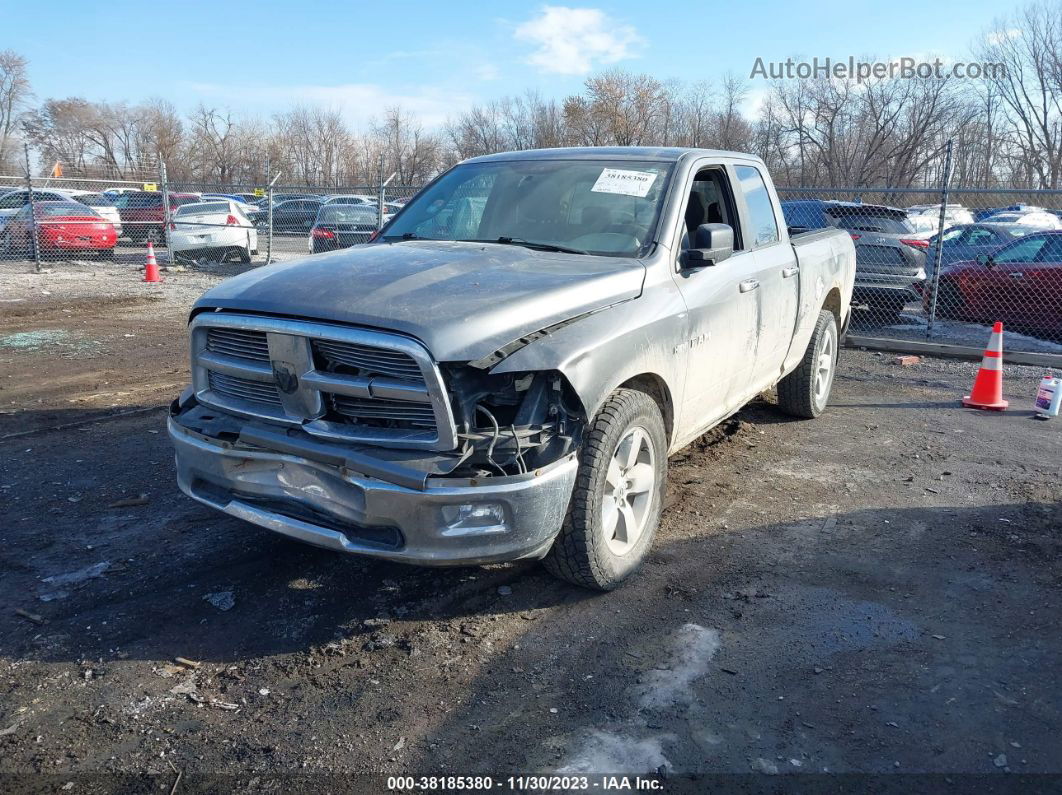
pixel 1052 250
pixel 1023 251
pixel 710 202
pixel 761 209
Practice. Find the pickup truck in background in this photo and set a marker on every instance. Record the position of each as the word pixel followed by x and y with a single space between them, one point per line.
pixel 504 371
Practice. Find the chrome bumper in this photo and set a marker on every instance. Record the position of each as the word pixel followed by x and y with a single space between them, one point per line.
pixel 453 521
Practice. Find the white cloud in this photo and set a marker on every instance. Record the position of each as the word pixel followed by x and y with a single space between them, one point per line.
pixel 572 41
pixel 359 102
pixel 1001 36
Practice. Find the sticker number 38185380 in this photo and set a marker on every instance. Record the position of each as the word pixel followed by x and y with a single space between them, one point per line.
pixel 625 182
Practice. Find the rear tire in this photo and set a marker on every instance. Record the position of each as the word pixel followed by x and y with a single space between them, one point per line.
pixel 806 391
pixel 245 255
pixel 618 497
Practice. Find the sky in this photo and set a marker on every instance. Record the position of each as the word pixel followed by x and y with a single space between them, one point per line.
pixel 438 58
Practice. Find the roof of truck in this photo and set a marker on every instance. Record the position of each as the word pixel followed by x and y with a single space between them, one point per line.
pixel 665 154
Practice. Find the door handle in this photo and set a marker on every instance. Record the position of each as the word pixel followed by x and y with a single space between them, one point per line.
pixel 1016 275
pixel 748 285
pixel 787 272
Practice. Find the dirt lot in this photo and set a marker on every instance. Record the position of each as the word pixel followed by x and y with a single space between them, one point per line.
pixel 874 591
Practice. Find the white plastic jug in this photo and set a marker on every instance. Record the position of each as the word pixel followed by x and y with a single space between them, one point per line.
pixel 1049 396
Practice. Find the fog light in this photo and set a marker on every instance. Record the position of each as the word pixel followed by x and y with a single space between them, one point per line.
pixel 473 518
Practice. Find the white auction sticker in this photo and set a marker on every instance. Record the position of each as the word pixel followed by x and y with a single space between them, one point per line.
pixel 628 183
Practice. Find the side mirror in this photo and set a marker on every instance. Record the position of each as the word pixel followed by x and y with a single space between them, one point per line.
pixel 986 260
pixel 712 244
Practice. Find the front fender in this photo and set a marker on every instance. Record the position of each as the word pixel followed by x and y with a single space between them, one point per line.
pixel 602 351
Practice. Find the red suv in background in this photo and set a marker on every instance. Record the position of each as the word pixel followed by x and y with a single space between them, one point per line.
pixel 142 215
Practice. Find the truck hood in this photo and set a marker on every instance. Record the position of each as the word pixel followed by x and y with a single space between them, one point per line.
pixel 462 300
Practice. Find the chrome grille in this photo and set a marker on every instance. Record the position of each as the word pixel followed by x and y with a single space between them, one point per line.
pixel 367 360
pixel 244 389
pixel 238 342
pixel 334 382
pixel 377 411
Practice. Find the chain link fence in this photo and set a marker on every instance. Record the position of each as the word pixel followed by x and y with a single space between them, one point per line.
pixel 46 221
pixel 927 270
pixel 945 273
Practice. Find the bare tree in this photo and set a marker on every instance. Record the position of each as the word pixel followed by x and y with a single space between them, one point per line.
pixel 15 94
pixel 1030 86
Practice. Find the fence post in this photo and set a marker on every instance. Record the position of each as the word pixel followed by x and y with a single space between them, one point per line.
pixel 269 215
pixel 380 197
pixel 164 179
pixel 939 249
pixel 32 216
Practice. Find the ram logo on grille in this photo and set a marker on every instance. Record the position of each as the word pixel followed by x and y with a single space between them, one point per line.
pixel 285 377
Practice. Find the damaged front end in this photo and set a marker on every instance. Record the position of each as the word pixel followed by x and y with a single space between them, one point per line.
pixel 513 423
pixel 500 493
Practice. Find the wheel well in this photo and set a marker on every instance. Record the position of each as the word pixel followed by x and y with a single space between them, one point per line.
pixel 656 388
pixel 833 304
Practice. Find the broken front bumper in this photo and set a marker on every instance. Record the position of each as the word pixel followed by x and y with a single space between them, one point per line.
pixel 449 521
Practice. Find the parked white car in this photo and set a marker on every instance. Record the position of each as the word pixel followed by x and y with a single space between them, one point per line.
pixel 1038 218
pixel 925 215
pixel 213 229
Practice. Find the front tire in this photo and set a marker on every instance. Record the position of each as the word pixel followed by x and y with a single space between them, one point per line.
pixel 618 497
pixel 806 391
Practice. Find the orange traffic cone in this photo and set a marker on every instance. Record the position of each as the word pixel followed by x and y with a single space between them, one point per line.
pixel 987 390
pixel 151 269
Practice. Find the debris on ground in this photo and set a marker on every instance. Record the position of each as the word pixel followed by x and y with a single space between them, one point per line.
pixel 222 600
pixel 79 576
pixel 36 619
pixel 130 502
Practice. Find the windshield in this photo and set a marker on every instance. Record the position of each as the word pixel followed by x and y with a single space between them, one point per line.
pixel 870 221
pixel 203 207
pixel 346 214
pixel 64 210
pixel 596 207
pixel 94 200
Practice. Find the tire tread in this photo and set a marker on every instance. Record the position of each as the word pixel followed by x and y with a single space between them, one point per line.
pixel 574 555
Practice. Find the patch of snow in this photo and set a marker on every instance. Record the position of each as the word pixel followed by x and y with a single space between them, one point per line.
pixel 694 647
pixel 605 753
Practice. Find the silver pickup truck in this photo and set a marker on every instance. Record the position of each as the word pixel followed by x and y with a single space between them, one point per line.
pixel 502 373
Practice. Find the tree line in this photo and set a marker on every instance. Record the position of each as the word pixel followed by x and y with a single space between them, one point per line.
pixel 1006 128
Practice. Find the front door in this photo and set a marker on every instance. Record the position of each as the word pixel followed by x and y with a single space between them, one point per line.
pixel 722 309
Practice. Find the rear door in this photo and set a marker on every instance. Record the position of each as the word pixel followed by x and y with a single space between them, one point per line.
pixel 775 281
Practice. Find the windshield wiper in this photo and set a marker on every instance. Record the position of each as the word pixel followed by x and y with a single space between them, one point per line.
pixel 406 236
pixel 519 241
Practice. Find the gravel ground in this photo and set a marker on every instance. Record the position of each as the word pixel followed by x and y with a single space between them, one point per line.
pixel 875 591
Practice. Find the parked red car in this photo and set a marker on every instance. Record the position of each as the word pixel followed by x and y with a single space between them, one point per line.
pixel 62 227
pixel 1020 284
pixel 142 215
